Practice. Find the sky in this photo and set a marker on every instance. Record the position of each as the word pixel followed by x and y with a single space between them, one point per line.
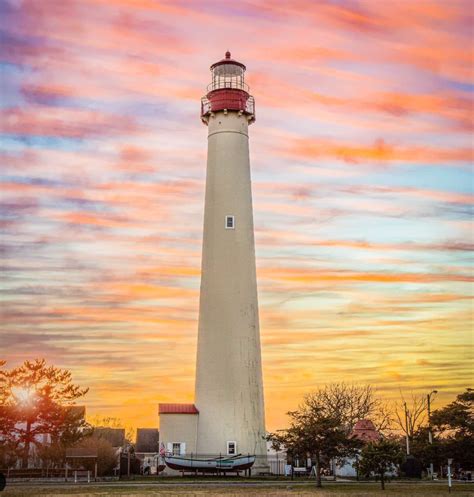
pixel 362 188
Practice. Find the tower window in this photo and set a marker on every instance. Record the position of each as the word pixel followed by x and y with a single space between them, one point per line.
pixel 231 448
pixel 229 222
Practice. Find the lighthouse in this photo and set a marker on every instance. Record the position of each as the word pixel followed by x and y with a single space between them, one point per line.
pixel 229 387
pixel 227 417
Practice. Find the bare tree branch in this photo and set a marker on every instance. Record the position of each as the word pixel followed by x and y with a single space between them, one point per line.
pixel 415 408
pixel 348 402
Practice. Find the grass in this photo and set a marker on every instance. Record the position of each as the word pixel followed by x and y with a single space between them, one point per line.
pixel 282 490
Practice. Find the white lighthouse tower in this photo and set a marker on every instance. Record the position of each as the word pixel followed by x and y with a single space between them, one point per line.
pixel 227 417
pixel 229 387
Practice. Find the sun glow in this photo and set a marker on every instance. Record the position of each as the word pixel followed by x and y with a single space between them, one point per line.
pixel 23 395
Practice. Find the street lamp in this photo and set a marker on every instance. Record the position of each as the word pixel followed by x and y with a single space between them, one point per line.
pixel 430 435
pixel 450 461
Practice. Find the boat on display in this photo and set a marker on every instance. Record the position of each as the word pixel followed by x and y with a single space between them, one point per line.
pixel 215 465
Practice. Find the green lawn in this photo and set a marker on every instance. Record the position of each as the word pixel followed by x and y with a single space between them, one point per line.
pixel 283 490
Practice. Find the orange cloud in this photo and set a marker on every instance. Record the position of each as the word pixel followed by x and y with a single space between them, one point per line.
pixel 307 275
pixel 378 151
pixel 451 107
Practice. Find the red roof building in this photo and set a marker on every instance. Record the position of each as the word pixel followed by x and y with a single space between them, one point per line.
pixel 177 409
pixel 365 431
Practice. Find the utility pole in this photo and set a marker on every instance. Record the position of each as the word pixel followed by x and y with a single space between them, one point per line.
pixel 406 428
pixel 430 434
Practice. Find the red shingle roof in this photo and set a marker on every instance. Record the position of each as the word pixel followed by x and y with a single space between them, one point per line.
pixel 365 431
pixel 177 409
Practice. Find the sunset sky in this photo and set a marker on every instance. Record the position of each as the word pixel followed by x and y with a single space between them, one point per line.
pixel 362 192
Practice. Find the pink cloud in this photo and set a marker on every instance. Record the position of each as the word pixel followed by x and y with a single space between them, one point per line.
pixel 63 122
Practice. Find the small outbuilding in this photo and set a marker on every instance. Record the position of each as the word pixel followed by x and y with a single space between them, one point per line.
pixel 178 428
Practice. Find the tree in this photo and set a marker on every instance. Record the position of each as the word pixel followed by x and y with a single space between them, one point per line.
pixel 107 457
pixel 427 453
pixel 379 458
pixel 37 399
pixel 321 427
pixel 457 418
pixel 8 445
pixel 73 429
pixel 8 452
pixel 352 402
pixel 454 428
pixel 315 434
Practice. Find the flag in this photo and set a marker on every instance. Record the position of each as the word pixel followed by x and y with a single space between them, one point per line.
pixel 162 449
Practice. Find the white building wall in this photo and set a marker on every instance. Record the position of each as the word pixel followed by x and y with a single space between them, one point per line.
pixel 346 468
pixel 179 428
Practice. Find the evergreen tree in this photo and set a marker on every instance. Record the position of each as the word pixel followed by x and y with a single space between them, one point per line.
pixel 36 399
pixel 454 427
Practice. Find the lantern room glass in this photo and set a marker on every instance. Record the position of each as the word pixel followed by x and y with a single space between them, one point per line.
pixel 228 76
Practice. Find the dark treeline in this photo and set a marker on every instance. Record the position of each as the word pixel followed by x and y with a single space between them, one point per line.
pixel 40 420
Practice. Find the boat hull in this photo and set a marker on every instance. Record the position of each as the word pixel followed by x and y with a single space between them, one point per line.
pixel 217 465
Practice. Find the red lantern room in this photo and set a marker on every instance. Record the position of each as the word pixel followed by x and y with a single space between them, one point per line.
pixel 228 90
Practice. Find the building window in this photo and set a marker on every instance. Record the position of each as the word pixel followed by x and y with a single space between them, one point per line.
pixel 229 222
pixel 231 448
pixel 176 449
